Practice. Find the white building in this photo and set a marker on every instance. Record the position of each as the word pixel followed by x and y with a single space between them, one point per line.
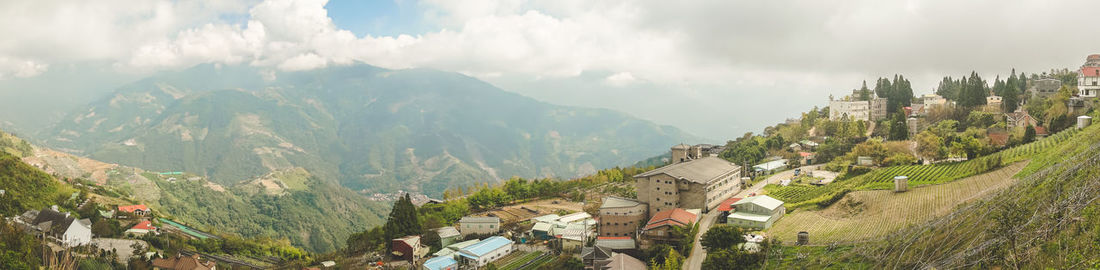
pixel 486 251
pixel 854 110
pixel 1088 81
pixel 757 212
pixel 933 100
pixel 61 227
pixel 479 225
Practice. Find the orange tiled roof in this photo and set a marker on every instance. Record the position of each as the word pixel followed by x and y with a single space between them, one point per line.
pixel 727 204
pixel 131 208
pixel 144 225
pixel 676 216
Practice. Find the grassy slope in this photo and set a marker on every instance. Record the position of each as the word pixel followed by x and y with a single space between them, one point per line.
pixel 26 187
pixel 871 214
pixel 1049 219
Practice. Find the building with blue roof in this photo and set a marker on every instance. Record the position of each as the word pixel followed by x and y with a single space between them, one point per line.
pixel 441 263
pixel 486 251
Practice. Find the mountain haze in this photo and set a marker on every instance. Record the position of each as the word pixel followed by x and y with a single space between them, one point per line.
pixel 366 127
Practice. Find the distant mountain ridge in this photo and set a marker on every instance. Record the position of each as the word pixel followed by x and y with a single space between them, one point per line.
pixel 365 127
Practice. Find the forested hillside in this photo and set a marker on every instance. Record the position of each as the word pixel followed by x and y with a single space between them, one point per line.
pixel 364 127
pixel 25 187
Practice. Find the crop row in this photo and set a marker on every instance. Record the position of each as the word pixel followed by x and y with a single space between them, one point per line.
pixel 918 175
pixel 515 262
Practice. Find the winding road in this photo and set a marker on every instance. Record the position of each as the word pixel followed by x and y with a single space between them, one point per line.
pixel 698 254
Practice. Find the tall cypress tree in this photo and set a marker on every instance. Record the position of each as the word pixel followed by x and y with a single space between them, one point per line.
pixel 899 129
pixel 402 221
pixel 864 92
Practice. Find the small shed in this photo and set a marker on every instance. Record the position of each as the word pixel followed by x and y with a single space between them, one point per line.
pixel 542 230
pixel 864 161
pixel 901 183
pixel 448 235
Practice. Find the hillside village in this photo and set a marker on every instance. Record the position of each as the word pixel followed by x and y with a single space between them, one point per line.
pixel 676 212
pixel 811 185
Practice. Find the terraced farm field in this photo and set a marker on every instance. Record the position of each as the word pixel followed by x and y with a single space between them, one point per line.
pixel 866 215
pixel 521 260
pixel 919 175
pixel 528 210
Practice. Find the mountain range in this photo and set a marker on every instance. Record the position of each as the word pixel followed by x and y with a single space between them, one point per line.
pixel 366 128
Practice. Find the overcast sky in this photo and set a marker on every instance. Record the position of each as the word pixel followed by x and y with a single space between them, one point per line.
pixel 713 68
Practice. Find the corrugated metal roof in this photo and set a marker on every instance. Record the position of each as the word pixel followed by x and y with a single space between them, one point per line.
pixel 547 218
pixel 749 216
pixel 616 243
pixel 575 217
pixel 438 263
pixel 771 165
pixel 447 232
pixel 701 170
pixel 479 220
pixel 542 226
pixel 485 246
pixel 763 201
pixel 617 202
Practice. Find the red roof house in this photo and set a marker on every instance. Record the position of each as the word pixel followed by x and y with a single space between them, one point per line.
pixel 180 262
pixel 660 226
pixel 409 248
pixel 671 217
pixel 142 227
pixel 139 209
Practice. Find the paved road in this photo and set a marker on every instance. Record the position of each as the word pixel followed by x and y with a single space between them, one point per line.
pixel 695 261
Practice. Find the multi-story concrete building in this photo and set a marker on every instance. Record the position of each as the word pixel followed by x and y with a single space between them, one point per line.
pixel 878 109
pixel 621 216
pixel 854 110
pixel 993 103
pixel 933 100
pixel 1088 78
pixel 1045 87
pixel 478 225
pixel 697 183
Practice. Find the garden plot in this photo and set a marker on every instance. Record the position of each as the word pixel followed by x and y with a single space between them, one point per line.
pixel 867 215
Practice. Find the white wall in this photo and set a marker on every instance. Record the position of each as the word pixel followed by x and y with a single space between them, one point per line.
pixel 77 234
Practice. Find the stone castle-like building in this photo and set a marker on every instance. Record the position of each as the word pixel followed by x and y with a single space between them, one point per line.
pixel 690 181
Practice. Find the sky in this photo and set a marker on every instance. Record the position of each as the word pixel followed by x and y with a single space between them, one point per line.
pixel 713 68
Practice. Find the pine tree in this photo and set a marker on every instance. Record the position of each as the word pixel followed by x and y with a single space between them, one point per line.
pixel 1029 134
pixel 402 221
pixel 899 130
pixel 883 88
pixel 1011 97
pixel 864 92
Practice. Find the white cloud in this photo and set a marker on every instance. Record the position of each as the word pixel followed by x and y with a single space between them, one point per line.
pixel 20 68
pixel 620 79
pixel 709 54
